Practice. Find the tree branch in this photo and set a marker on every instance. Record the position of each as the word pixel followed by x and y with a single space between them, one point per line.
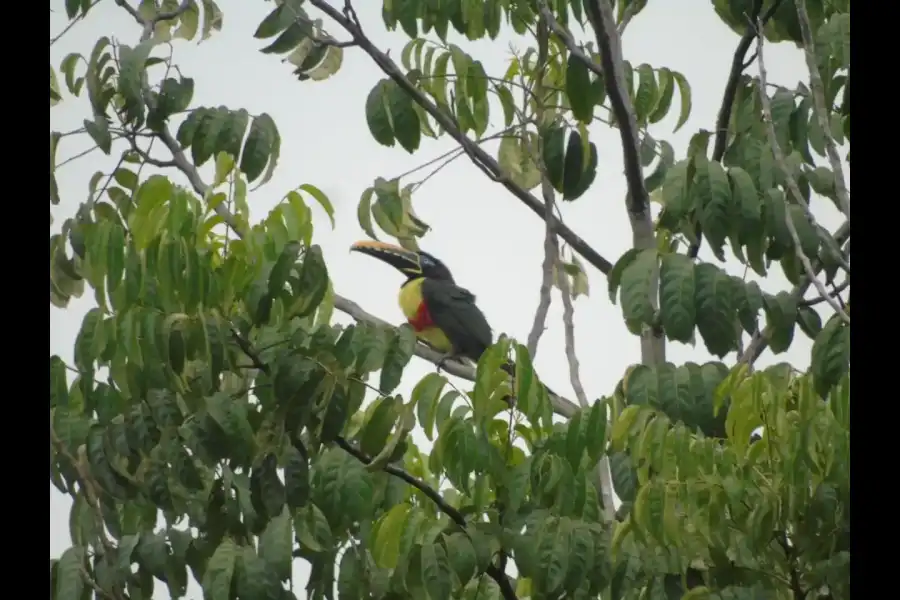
pixel 734 76
pixel 432 494
pixel 820 109
pixel 791 183
pixel 600 15
pixel 551 245
pixel 540 315
pixel 484 161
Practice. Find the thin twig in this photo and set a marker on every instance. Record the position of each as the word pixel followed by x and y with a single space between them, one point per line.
pixel 567 39
pixel 484 161
pixel 791 184
pixel 835 293
pixel 551 249
pixel 820 110
pixel 569 330
pixel 72 23
pixel 760 340
pixel 540 315
pixel 145 155
pixel 630 11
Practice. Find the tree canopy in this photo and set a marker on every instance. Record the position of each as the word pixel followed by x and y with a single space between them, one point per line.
pixel 217 425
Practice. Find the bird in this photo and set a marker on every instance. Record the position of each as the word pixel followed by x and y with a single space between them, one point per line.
pixel 441 313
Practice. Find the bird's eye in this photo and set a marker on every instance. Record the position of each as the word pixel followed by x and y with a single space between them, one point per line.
pixel 425 261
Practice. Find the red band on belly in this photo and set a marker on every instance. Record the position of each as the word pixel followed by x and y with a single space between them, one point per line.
pixel 422 320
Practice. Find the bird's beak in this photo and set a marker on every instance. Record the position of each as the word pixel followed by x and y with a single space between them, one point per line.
pixel 405 261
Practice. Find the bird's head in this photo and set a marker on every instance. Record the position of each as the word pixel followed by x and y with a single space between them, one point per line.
pixel 409 262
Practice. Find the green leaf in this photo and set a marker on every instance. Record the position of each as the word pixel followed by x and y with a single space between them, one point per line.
pixel 275 544
pixel 188 22
pixel 378 114
pixel 714 196
pixel 462 557
pixel 59 387
pixel 266 486
pixel 809 321
pixel 174 97
pixel 351 582
pixel 515 156
pixel 378 427
pixel 404 120
pixel 98 129
pixel 282 267
pixel 578 84
pixel 675 191
pixel 635 295
pixel 278 20
pixel 578 175
pixel 745 197
pixel 614 278
pixel 595 430
pixel 782 106
pixel 398 355
pixel 296 478
pixel 131 73
pixel 553 155
pixel 312 283
pixel 552 556
pixel 715 309
pixel 665 93
pixel 217 577
pixel 677 297
pixel 69 581
pixel 508 103
pixel 321 198
pixel 261 147
pixel 645 98
pixel 684 90
pixel 55 93
pixel 387 534
pixel 781 316
pixel 436 571
pixel 313 532
pixel 806 231
pixel 255 578
pixel 623 476
pixel 425 396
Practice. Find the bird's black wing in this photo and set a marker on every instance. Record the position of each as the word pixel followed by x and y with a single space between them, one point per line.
pixel 454 312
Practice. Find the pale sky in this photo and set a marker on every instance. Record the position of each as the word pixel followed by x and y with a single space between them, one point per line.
pixel 491 242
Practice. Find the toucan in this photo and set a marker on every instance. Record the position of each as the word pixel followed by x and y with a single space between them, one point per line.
pixel 442 314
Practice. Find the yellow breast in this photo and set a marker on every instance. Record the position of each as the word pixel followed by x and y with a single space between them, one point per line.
pixel 410 298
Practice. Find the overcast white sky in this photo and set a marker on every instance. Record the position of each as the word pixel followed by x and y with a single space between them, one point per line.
pixel 491 242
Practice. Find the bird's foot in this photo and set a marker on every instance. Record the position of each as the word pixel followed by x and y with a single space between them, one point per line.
pixel 442 363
